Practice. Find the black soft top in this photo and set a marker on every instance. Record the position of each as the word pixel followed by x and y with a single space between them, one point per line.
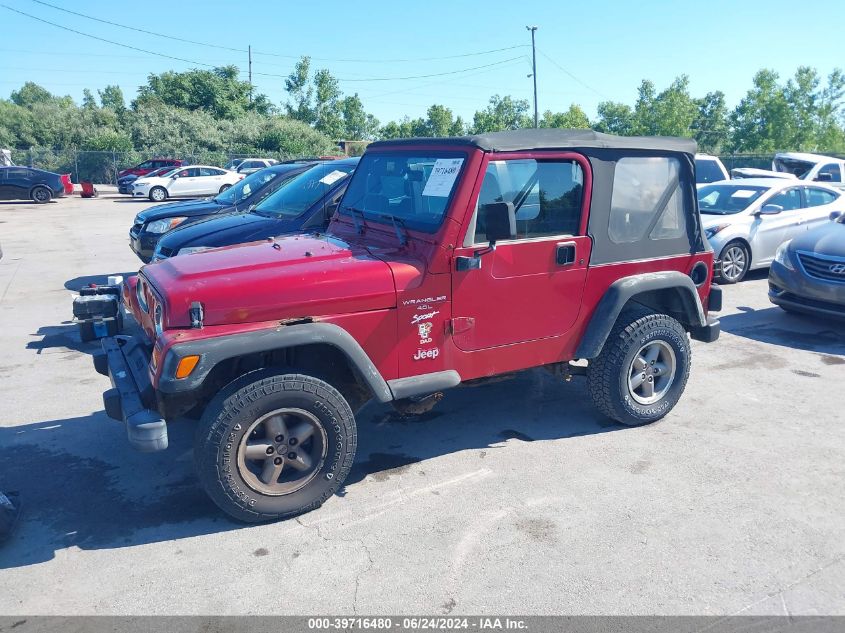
pixel 550 138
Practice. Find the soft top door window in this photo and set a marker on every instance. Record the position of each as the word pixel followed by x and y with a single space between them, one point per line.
pixel 647 200
pixel 547 196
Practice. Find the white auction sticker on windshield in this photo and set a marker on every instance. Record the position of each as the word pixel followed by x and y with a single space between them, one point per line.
pixel 332 177
pixel 743 193
pixel 442 177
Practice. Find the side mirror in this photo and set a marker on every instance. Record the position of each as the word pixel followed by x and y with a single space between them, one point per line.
pixel 835 215
pixel 499 221
pixel 825 177
pixel 770 209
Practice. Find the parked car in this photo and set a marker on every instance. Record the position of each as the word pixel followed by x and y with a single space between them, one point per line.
pixel 305 202
pixel 124 182
pixel 150 224
pixel 185 182
pixel 448 261
pixel 709 169
pixel 250 165
pixel 150 165
pixel 746 220
pixel 233 164
pixel 808 273
pixel 811 167
pixel 22 183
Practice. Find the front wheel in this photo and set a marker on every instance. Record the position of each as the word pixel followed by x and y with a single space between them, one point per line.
pixel 158 194
pixel 642 369
pixel 736 260
pixel 273 445
pixel 224 187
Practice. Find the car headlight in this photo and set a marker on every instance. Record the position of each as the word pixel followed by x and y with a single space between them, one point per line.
pixel 164 225
pixel 158 319
pixel 711 231
pixel 193 249
pixel 782 256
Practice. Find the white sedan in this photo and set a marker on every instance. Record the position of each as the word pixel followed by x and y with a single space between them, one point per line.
pixel 746 220
pixel 185 182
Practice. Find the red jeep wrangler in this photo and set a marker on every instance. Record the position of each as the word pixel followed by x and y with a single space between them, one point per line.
pixel 448 260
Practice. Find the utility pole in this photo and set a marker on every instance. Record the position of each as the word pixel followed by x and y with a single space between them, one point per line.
pixel 249 50
pixel 534 73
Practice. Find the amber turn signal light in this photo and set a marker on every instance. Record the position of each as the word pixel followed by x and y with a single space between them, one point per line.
pixel 186 366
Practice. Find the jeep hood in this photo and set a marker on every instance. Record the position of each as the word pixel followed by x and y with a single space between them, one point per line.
pixel 227 230
pixel 293 277
pixel 827 239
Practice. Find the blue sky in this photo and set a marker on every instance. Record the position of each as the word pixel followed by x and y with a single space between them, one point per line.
pixel 587 51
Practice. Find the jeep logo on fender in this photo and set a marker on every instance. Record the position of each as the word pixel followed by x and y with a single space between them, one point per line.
pixel 838 269
pixel 422 354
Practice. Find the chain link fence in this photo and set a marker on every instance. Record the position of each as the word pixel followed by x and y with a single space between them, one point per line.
pixel 102 167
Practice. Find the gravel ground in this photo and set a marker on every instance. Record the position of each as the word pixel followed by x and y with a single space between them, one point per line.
pixel 513 497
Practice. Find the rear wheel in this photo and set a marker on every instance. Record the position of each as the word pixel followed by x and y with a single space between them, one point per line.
pixel 224 187
pixel 736 259
pixel 274 445
pixel 41 195
pixel 158 194
pixel 642 369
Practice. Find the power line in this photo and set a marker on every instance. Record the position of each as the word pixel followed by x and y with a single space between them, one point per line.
pixel 102 39
pixel 561 68
pixel 451 72
pixel 244 50
pixel 133 28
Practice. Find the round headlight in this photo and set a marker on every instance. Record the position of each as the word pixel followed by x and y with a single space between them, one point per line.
pixel 139 294
pixel 158 319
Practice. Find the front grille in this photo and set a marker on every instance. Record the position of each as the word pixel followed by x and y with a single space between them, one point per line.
pixel 823 267
pixel 135 231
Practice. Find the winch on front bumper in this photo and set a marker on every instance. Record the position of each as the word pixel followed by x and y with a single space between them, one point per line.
pixel 131 399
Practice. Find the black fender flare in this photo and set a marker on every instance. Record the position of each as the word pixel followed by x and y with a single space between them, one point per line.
pixel 217 349
pixel 623 290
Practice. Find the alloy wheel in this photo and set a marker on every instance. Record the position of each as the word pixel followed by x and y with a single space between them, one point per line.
pixel 652 372
pixel 282 451
pixel 734 262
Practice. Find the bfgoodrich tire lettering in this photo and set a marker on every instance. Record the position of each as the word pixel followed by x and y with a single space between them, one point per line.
pixel 228 418
pixel 609 375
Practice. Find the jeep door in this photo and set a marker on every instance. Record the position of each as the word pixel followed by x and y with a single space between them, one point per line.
pixel 530 287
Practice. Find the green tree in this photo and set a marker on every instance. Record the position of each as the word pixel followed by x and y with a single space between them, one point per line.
pixel 710 126
pixel 615 118
pixel 328 118
pixel 217 91
pixel 358 125
pixel 502 113
pixel 573 118
pixel 88 100
pixel 30 94
pixel 298 86
pixel 669 113
pixel 762 121
pixel 112 97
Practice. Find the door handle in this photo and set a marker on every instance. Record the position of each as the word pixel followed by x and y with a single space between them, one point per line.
pixel 565 254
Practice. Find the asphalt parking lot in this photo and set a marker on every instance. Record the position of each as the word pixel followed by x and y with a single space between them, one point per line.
pixel 513 497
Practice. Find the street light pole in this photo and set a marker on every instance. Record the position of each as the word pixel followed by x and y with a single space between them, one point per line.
pixel 534 73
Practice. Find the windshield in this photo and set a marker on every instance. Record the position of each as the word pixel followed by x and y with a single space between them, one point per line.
pixel 300 193
pixel 727 199
pixel 413 188
pixel 239 192
pixel 799 168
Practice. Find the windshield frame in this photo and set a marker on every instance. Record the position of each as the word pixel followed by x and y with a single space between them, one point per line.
pixel 254 192
pixel 761 192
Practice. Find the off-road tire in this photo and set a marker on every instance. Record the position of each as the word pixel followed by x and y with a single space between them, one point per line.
pixel 732 247
pixel 608 374
pixel 158 194
pixel 223 188
pixel 41 195
pixel 229 416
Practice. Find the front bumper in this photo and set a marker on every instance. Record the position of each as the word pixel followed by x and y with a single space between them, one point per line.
pixel 143 244
pixel 793 289
pixel 131 399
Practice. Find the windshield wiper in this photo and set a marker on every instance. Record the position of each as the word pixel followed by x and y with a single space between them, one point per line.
pixel 402 235
pixel 359 226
